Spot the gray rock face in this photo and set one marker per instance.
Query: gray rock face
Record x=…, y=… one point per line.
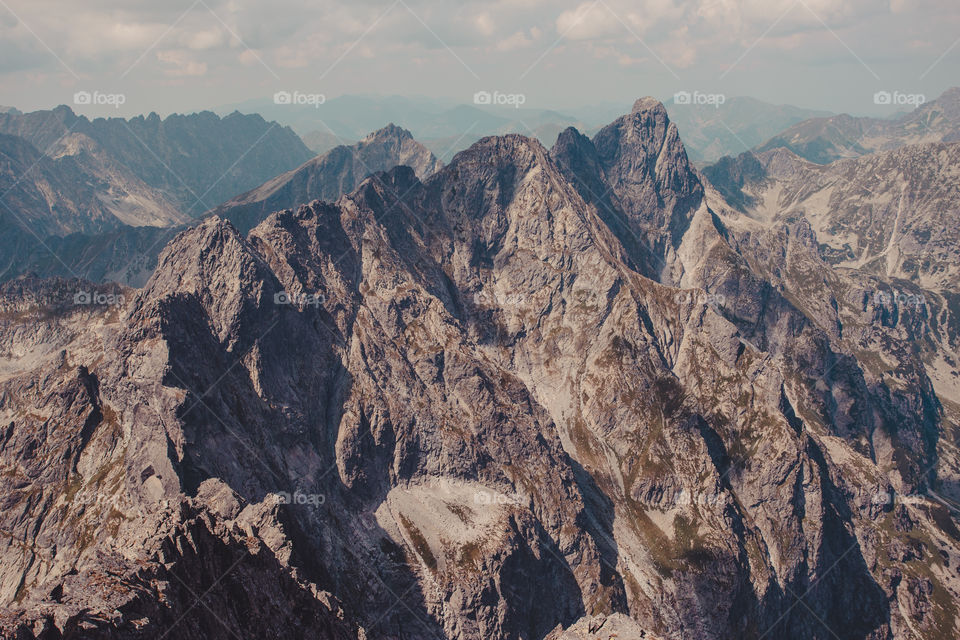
x=75, y=188
x=497, y=403
x=616, y=626
x=892, y=214
x=636, y=173
x=330, y=175
x=866, y=247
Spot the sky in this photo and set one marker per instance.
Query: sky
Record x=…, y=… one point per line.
x=126, y=57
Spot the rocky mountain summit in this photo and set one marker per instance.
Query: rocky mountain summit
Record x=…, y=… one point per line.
x=330, y=175
x=564, y=393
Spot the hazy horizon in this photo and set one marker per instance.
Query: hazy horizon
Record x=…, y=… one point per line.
x=193, y=56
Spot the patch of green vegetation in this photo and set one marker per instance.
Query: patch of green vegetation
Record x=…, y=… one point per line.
x=583, y=440
x=688, y=543
x=656, y=542
x=74, y=484
x=21, y=592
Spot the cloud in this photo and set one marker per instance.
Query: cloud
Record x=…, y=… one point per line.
x=519, y=40
x=240, y=46
x=484, y=24
x=205, y=39
x=588, y=21
x=181, y=63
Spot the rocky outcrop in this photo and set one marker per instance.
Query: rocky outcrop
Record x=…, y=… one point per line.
x=613, y=626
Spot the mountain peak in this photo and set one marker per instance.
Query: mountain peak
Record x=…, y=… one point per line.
x=648, y=103
x=512, y=148
x=952, y=95
x=331, y=175
x=388, y=132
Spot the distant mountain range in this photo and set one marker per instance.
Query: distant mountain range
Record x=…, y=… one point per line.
x=889, y=213
x=105, y=195
x=76, y=187
x=446, y=127
x=196, y=161
x=77, y=212
x=823, y=140
x=320, y=142
x=711, y=132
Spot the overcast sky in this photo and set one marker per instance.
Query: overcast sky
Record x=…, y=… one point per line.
x=186, y=55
